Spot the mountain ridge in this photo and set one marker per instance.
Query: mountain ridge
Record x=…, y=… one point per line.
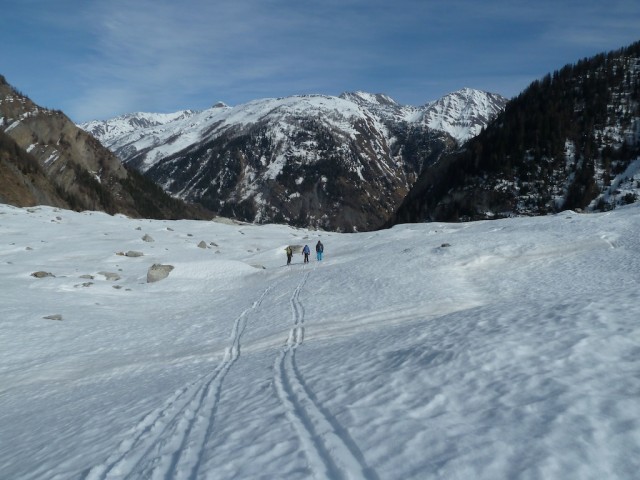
x=341, y=163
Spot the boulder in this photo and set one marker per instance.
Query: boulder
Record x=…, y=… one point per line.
x=41, y=274
x=110, y=276
x=158, y=272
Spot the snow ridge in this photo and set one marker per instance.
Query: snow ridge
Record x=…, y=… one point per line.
x=460, y=114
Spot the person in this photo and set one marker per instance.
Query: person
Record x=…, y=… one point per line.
x=289, y=251
x=319, y=250
x=306, y=251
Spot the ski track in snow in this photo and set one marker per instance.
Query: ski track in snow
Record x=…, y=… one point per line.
x=169, y=442
x=327, y=446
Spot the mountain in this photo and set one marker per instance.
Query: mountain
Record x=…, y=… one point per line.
x=340, y=163
x=46, y=159
x=569, y=141
x=460, y=114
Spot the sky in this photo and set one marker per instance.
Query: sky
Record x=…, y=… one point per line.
x=505, y=349
x=99, y=59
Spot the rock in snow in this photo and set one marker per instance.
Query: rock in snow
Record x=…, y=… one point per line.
x=158, y=272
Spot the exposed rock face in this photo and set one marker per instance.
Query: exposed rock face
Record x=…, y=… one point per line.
x=49, y=160
x=22, y=181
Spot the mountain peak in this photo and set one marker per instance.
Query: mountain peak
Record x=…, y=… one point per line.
x=464, y=112
x=360, y=97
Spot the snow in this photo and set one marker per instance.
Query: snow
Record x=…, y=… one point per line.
x=158, y=136
x=497, y=349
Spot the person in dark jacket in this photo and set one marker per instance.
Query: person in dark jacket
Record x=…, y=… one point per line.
x=306, y=251
x=319, y=250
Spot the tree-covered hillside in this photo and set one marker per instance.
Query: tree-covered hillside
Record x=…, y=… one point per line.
x=569, y=141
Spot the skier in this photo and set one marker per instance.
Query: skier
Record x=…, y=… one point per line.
x=289, y=251
x=319, y=250
x=306, y=251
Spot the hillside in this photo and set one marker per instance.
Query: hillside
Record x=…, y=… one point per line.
x=23, y=182
x=47, y=159
x=570, y=140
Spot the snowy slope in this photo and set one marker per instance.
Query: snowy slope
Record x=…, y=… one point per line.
x=108, y=131
x=503, y=349
x=464, y=113
x=161, y=140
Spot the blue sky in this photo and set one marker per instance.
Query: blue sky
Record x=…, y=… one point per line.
x=98, y=59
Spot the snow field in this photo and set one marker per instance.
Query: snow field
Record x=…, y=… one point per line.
x=502, y=349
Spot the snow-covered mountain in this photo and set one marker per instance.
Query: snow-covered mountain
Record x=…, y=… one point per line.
x=461, y=114
x=341, y=163
x=123, y=125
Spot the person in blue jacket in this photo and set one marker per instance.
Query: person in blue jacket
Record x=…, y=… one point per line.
x=319, y=250
x=306, y=251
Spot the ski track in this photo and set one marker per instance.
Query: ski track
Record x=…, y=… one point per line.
x=327, y=446
x=168, y=443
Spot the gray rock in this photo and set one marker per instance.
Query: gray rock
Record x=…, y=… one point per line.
x=57, y=316
x=110, y=276
x=202, y=244
x=158, y=272
x=148, y=238
x=133, y=253
x=42, y=274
